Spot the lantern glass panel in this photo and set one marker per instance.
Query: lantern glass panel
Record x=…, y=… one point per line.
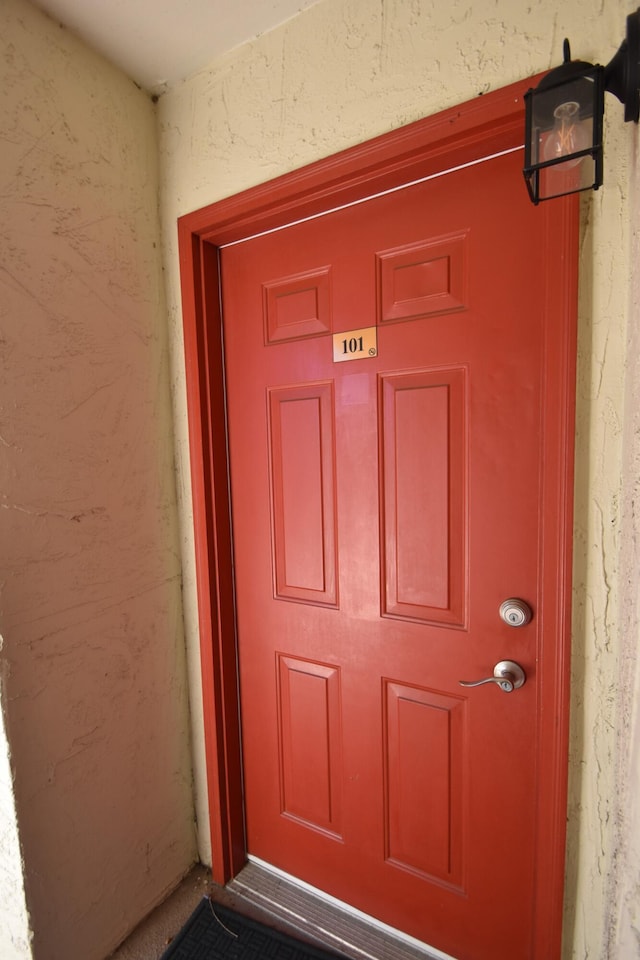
x=564, y=150
x=570, y=175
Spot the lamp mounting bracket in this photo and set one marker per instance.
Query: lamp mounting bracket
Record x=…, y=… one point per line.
x=622, y=73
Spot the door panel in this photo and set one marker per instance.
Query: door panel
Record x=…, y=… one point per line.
x=423, y=483
x=303, y=492
x=383, y=508
x=310, y=743
x=424, y=735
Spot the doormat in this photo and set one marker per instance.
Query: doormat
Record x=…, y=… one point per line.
x=217, y=933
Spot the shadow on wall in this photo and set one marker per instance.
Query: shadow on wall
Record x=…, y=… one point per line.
x=577, y=733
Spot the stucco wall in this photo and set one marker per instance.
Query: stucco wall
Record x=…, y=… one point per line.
x=338, y=74
x=93, y=653
x=623, y=922
x=14, y=920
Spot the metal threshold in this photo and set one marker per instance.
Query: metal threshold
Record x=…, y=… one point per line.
x=313, y=916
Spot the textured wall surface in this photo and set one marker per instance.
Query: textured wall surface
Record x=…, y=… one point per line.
x=623, y=921
x=340, y=73
x=14, y=920
x=93, y=654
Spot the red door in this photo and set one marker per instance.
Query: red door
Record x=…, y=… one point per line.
x=384, y=506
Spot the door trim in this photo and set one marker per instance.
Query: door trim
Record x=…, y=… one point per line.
x=482, y=127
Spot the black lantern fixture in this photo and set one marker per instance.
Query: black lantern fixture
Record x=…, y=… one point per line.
x=563, y=135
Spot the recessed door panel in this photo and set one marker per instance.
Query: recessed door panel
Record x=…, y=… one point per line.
x=420, y=279
x=423, y=456
x=310, y=743
x=426, y=795
x=303, y=497
x=298, y=306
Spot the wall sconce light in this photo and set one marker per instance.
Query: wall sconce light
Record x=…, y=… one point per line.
x=563, y=118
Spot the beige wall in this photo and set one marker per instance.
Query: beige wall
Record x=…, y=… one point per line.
x=92, y=657
x=623, y=922
x=14, y=920
x=338, y=74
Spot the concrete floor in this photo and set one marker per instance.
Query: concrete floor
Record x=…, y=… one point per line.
x=152, y=937
x=274, y=901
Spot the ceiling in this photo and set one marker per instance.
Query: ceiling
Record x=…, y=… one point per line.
x=159, y=42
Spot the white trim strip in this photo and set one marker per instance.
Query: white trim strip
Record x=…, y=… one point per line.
x=373, y=196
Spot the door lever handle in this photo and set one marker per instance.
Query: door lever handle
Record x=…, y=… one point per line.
x=508, y=674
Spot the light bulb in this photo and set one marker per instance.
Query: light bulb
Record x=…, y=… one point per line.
x=569, y=134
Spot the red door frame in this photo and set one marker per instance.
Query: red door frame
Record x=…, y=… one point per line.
x=479, y=128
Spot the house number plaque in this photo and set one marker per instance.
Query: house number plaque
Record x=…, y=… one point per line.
x=355, y=344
